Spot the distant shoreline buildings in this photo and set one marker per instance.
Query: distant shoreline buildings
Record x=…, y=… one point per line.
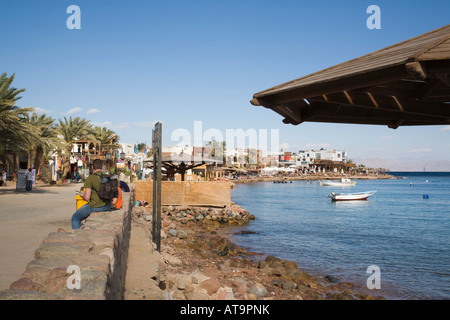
x=222, y=162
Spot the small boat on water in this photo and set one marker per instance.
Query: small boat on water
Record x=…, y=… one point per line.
x=343, y=183
x=350, y=196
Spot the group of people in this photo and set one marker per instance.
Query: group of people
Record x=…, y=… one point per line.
x=94, y=202
x=28, y=179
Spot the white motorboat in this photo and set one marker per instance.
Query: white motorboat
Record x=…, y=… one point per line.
x=350, y=196
x=343, y=183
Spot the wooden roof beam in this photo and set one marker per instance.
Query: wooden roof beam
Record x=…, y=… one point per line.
x=426, y=89
x=444, y=78
x=373, y=78
x=400, y=106
x=336, y=113
x=375, y=103
x=388, y=103
x=384, y=122
x=291, y=117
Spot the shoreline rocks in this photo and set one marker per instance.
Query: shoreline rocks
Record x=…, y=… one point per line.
x=209, y=266
x=312, y=177
x=214, y=217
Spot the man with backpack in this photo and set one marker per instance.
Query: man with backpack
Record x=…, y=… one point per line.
x=100, y=191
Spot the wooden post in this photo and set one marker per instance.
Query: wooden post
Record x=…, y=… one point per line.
x=156, y=221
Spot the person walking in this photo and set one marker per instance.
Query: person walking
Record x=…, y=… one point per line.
x=120, y=174
x=95, y=203
x=29, y=180
x=5, y=177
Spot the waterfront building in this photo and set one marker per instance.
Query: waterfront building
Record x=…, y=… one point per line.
x=323, y=161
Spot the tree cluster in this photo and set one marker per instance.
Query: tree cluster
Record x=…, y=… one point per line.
x=40, y=136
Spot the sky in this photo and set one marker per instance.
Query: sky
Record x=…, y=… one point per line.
x=137, y=62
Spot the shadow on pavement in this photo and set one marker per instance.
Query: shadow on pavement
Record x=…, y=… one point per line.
x=40, y=189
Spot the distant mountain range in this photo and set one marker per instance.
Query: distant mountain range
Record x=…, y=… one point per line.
x=396, y=165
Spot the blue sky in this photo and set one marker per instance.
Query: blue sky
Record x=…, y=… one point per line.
x=137, y=62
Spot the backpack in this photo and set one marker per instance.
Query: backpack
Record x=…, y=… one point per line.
x=108, y=187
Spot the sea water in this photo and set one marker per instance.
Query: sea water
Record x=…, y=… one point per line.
x=403, y=229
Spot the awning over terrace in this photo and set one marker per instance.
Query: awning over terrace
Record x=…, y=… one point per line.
x=404, y=84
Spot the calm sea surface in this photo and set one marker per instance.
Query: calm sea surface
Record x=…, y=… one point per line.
x=406, y=235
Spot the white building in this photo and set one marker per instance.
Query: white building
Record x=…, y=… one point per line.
x=308, y=156
x=320, y=160
x=128, y=148
x=178, y=150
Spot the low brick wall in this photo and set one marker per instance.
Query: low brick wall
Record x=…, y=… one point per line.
x=187, y=193
x=98, y=253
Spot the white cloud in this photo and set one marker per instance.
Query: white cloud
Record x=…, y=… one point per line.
x=106, y=124
x=92, y=111
x=316, y=146
x=386, y=137
x=124, y=125
x=111, y=126
x=445, y=128
x=423, y=150
x=146, y=124
x=285, y=146
x=41, y=110
x=73, y=111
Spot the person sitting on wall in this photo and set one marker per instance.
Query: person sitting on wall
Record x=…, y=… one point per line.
x=119, y=202
x=124, y=186
x=95, y=203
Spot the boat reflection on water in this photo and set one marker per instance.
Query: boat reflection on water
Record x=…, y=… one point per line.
x=344, y=182
x=358, y=196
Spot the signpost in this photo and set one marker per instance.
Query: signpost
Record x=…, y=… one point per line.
x=157, y=153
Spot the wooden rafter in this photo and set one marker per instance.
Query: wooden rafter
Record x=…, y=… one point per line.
x=389, y=103
x=444, y=78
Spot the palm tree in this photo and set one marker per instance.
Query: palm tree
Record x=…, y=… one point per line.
x=109, y=142
x=11, y=116
x=106, y=137
x=49, y=140
x=8, y=96
x=70, y=130
x=14, y=130
x=217, y=150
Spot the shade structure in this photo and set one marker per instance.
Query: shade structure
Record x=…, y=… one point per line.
x=402, y=85
x=175, y=163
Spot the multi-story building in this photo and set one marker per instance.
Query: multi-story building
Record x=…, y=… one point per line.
x=323, y=160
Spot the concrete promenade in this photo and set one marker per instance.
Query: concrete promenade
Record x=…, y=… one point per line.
x=26, y=218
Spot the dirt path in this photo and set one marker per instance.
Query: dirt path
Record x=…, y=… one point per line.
x=142, y=268
x=26, y=218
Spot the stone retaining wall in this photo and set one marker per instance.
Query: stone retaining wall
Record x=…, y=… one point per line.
x=95, y=255
x=187, y=193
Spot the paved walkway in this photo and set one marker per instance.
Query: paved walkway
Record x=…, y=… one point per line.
x=26, y=218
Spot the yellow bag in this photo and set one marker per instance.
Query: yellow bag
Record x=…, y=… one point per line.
x=79, y=200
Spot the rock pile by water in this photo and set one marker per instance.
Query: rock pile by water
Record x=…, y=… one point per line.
x=233, y=215
x=202, y=263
